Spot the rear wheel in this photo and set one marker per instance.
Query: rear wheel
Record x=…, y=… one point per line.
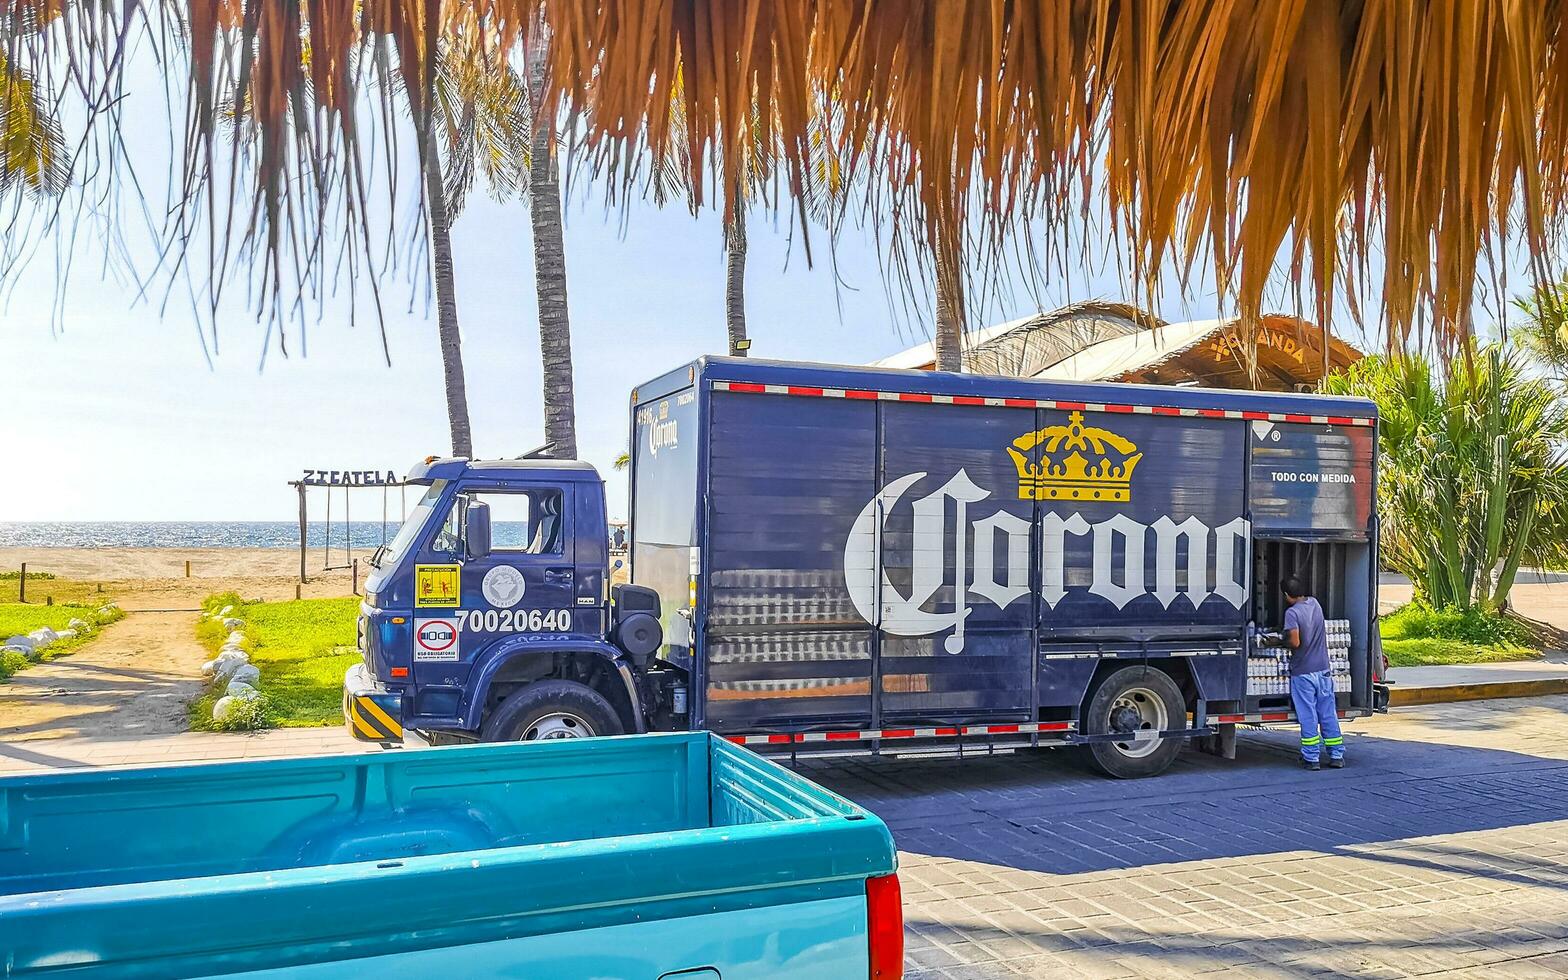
x=551, y=710
x=1137, y=702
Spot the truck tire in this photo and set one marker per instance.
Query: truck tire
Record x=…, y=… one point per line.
x=549, y=710
x=1135, y=699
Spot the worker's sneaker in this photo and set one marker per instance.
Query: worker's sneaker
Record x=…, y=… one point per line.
x=1336, y=763
x=1311, y=765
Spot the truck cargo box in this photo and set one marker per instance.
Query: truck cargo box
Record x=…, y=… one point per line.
x=871, y=555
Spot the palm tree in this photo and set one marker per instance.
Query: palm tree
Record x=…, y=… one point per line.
x=32, y=146
x=480, y=114
x=544, y=193
x=1544, y=332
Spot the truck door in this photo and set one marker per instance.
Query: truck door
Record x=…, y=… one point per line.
x=527, y=582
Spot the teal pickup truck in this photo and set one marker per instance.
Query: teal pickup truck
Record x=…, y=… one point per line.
x=664, y=857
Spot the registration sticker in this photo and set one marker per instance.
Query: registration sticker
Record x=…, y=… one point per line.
x=436, y=640
x=437, y=585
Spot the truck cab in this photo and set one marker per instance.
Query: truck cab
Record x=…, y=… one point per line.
x=488, y=617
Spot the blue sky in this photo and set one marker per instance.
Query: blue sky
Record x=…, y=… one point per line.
x=113, y=413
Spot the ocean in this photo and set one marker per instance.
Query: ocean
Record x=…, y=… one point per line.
x=210, y=534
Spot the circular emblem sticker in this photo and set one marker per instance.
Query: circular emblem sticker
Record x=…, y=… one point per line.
x=502, y=586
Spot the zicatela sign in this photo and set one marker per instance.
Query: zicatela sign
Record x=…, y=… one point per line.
x=350, y=478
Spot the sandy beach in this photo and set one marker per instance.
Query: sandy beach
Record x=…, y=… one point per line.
x=154, y=578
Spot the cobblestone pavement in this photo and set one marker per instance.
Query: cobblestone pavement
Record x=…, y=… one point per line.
x=1441, y=850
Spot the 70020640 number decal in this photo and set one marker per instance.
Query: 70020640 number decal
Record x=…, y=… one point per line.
x=515, y=620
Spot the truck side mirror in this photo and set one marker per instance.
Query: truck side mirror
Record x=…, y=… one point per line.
x=477, y=524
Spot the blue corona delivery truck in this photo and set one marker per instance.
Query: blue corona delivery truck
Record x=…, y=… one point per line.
x=846, y=559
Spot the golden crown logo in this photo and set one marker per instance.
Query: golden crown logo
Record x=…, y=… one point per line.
x=1077, y=462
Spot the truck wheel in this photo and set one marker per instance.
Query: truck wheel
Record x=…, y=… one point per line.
x=551, y=709
x=1132, y=700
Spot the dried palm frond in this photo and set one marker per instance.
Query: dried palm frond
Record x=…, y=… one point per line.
x=1369, y=149
x=1364, y=143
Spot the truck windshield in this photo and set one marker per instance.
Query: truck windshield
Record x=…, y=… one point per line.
x=399, y=545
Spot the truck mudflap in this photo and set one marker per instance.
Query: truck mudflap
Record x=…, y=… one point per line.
x=371, y=712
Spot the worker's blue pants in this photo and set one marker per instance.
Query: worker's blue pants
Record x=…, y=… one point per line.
x=1313, y=695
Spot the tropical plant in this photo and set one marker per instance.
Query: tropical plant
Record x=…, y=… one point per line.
x=480, y=123
x=32, y=146
x=1544, y=331
x=1473, y=474
x=544, y=195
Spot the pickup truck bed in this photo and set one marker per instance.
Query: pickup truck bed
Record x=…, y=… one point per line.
x=638, y=856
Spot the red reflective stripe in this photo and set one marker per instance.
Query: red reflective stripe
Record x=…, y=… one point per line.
x=898, y=733
x=1001, y=729
x=947, y=731
x=841, y=736
x=1055, y=726
x=1230, y=719
x=1282, y=716
x=907, y=396
x=737, y=739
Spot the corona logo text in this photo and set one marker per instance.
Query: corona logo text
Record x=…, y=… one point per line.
x=990, y=554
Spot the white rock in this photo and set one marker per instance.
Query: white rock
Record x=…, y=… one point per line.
x=109, y=610
x=223, y=666
x=243, y=691
x=235, y=639
x=225, y=611
x=43, y=636
x=233, y=622
x=80, y=625
x=67, y=635
x=221, y=709
x=21, y=641
x=246, y=674
x=231, y=648
x=24, y=651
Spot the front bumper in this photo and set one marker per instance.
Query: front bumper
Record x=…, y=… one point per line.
x=371, y=712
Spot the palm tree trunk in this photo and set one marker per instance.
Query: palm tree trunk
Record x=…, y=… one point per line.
x=446, y=306
x=949, y=338
x=735, y=278
x=544, y=206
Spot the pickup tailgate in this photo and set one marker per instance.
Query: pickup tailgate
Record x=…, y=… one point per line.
x=633, y=856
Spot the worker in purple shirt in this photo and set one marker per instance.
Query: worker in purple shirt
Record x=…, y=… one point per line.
x=1311, y=683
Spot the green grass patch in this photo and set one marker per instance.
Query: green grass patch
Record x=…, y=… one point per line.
x=302, y=648
x=1417, y=635
x=22, y=618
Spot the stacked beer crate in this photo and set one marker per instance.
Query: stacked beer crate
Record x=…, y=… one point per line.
x=1268, y=670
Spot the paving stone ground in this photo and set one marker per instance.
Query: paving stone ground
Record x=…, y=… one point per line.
x=1442, y=850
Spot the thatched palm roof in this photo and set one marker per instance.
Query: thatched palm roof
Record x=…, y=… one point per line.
x=1387, y=146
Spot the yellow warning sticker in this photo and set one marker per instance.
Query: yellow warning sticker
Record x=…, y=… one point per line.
x=437, y=585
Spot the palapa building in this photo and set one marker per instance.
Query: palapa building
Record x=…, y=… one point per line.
x=1104, y=341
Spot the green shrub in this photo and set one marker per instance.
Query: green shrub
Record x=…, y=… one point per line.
x=17, y=574
x=11, y=663
x=1418, y=621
